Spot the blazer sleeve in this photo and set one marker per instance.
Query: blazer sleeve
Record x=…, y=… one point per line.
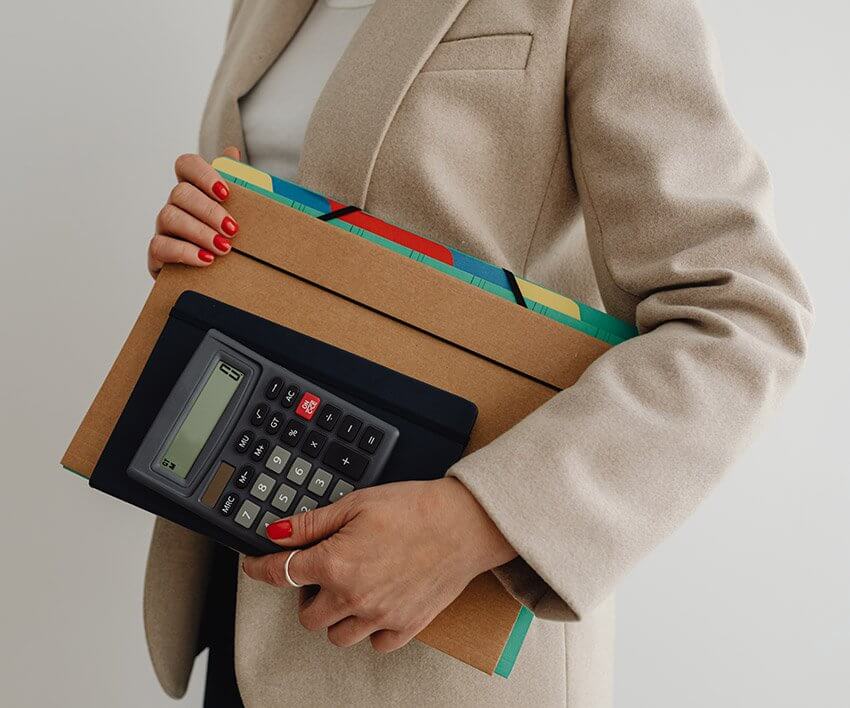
x=679, y=220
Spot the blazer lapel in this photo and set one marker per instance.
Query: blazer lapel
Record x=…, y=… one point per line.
x=358, y=103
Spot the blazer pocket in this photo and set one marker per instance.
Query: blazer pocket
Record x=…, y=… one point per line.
x=495, y=52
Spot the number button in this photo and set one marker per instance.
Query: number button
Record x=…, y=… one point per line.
x=340, y=458
x=243, y=442
x=259, y=414
x=292, y=433
x=314, y=443
x=299, y=471
x=340, y=490
x=260, y=450
x=247, y=514
x=278, y=459
x=349, y=428
x=262, y=487
x=228, y=504
x=274, y=387
x=328, y=417
x=289, y=396
x=371, y=439
x=283, y=498
x=305, y=504
x=308, y=405
x=243, y=477
x=268, y=518
x=320, y=483
x=275, y=423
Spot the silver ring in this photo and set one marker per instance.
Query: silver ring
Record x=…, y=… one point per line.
x=289, y=579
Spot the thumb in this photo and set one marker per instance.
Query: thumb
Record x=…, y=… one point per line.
x=232, y=152
x=311, y=526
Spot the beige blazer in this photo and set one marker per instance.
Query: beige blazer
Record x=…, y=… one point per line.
x=586, y=145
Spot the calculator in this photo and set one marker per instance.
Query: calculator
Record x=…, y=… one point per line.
x=243, y=442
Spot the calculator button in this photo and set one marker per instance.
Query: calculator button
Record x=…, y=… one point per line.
x=340, y=490
x=275, y=423
x=349, y=428
x=274, y=387
x=308, y=405
x=351, y=464
x=289, y=396
x=243, y=477
x=314, y=443
x=268, y=518
x=278, y=459
x=258, y=454
x=262, y=487
x=299, y=471
x=320, y=483
x=305, y=504
x=283, y=498
x=292, y=433
x=228, y=504
x=259, y=414
x=247, y=514
x=243, y=442
x=371, y=439
x=328, y=417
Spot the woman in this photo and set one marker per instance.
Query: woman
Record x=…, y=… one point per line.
x=585, y=145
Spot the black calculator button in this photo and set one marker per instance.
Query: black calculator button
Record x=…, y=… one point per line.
x=328, y=417
x=243, y=477
x=243, y=442
x=289, y=396
x=371, y=439
x=349, y=428
x=293, y=433
x=314, y=443
x=258, y=417
x=228, y=503
x=274, y=387
x=261, y=449
x=342, y=459
x=275, y=423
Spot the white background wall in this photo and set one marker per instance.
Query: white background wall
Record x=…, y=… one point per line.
x=748, y=605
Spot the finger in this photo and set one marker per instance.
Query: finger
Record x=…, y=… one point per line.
x=350, y=631
x=323, y=611
x=188, y=198
x=195, y=169
x=307, y=567
x=387, y=640
x=232, y=152
x=173, y=221
x=311, y=526
x=165, y=249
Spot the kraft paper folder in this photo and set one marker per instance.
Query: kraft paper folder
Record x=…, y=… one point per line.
x=394, y=311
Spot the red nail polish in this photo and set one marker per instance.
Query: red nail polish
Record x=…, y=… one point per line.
x=279, y=530
x=220, y=190
x=229, y=226
x=221, y=243
x=206, y=256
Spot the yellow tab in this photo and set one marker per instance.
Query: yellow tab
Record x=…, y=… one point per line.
x=546, y=297
x=244, y=172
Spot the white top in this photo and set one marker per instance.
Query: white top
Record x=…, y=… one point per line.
x=276, y=111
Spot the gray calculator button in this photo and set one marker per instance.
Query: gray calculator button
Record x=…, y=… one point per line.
x=262, y=487
x=267, y=519
x=340, y=490
x=299, y=471
x=283, y=498
x=247, y=514
x=305, y=504
x=278, y=459
x=320, y=483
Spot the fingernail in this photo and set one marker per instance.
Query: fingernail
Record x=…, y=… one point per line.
x=206, y=256
x=220, y=190
x=229, y=226
x=279, y=530
x=221, y=243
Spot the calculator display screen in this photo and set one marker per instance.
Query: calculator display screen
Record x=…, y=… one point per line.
x=201, y=420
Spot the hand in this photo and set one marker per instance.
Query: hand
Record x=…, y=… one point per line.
x=386, y=559
x=193, y=227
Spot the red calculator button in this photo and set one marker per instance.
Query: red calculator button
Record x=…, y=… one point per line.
x=307, y=406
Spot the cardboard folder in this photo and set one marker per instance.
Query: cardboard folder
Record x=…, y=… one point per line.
x=311, y=277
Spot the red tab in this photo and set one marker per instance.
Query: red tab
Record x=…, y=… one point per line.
x=307, y=406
